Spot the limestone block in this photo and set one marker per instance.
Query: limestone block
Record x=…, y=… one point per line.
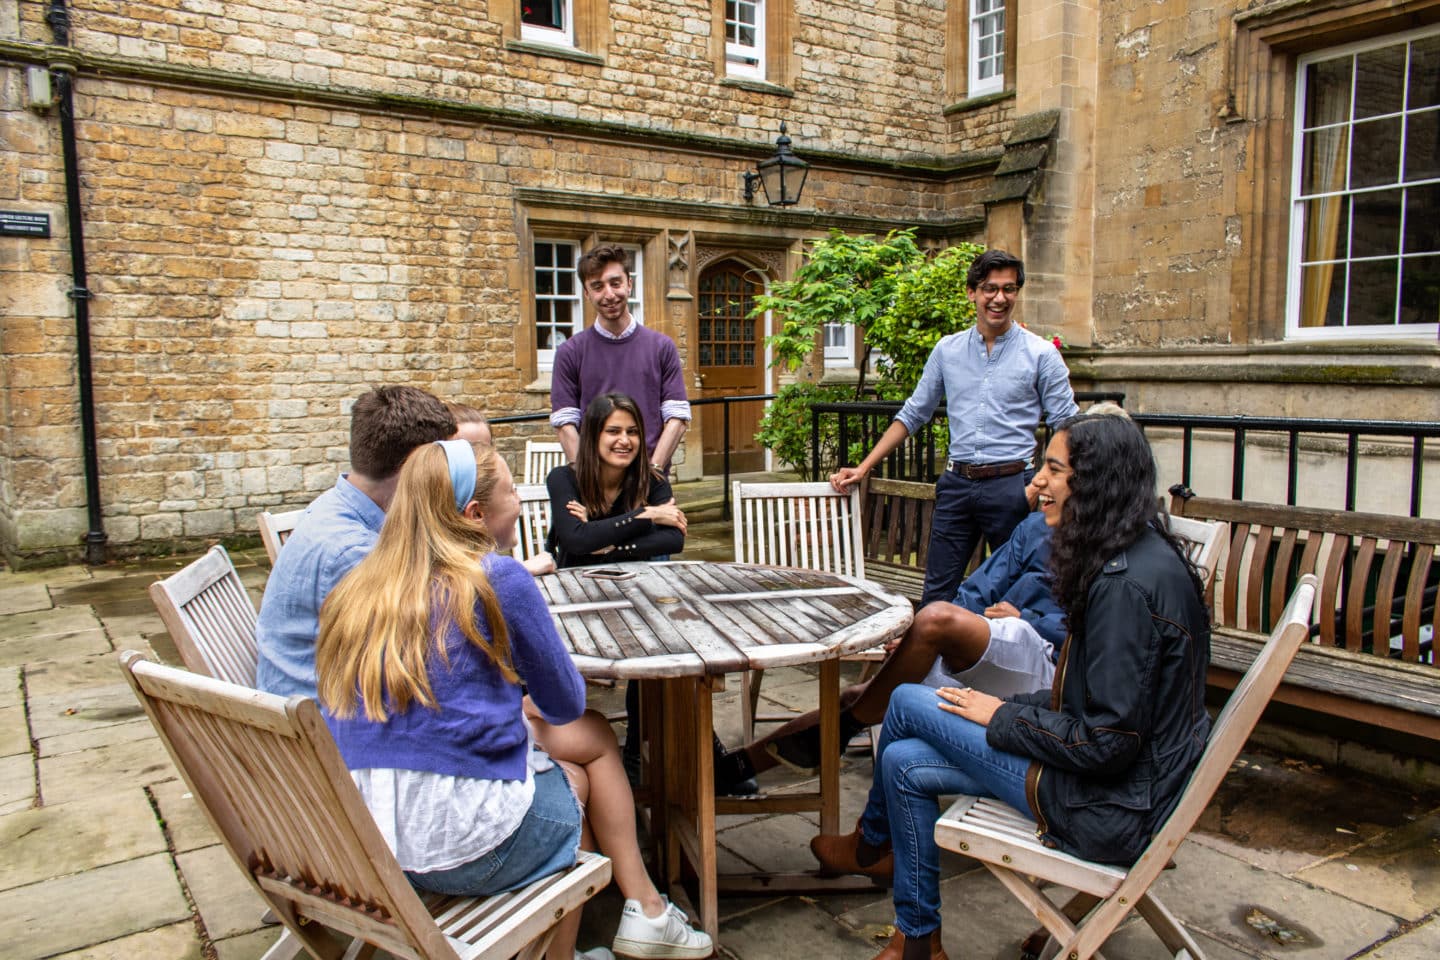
x=39, y=529
x=208, y=523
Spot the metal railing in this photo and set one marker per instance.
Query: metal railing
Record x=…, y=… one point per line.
x=1241, y=427
x=917, y=458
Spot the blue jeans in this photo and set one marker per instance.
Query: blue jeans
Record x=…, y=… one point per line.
x=545, y=842
x=965, y=511
x=924, y=753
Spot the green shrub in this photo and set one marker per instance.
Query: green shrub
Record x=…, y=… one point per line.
x=785, y=428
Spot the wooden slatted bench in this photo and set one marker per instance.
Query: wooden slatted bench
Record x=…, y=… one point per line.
x=895, y=520
x=1372, y=568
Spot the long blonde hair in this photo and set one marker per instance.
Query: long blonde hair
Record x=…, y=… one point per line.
x=379, y=626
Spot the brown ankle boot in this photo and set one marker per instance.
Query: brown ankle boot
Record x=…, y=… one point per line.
x=895, y=949
x=837, y=855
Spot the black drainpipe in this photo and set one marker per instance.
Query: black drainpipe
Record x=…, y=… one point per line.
x=58, y=17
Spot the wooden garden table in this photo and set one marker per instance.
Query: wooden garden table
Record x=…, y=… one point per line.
x=678, y=626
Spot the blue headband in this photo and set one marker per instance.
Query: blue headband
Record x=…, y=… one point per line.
x=461, y=457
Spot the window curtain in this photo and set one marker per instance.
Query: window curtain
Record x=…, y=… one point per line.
x=1329, y=159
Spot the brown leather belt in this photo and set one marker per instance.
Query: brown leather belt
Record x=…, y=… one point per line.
x=985, y=471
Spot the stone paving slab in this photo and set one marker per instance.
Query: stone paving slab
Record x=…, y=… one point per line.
x=1213, y=892
x=11, y=694
x=89, y=773
x=185, y=822
x=52, y=678
x=1288, y=815
x=795, y=929
x=46, y=623
x=17, y=783
x=248, y=946
x=228, y=905
x=18, y=648
x=178, y=941
x=105, y=735
x=1422, y=943
x=67, y=838
x=1398, y=872
x=14, y=732
x=83, y=708
x=40, y=920
x=23, y=598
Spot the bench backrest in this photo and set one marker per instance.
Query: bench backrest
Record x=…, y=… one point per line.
x=798, y=525
x=541, y=456
x=275, y=529
x=210, y=617
x=1371, y=567
x=534, y=524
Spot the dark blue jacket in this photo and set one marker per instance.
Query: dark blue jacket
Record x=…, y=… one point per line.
x=1018, y=573
x=1115, y=739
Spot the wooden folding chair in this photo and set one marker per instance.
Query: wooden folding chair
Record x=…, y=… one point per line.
x=210, y=617
x=534, y=524
x=542, y=456
x=794, y=525
x=275, y=529
x=1004, y=839
x=267, y=774
x=1202, y=540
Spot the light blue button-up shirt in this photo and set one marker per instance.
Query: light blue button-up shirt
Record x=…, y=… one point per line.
x=337, y=531
x=994, y=400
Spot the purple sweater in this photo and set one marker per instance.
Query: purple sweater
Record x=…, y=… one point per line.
x=477, y=730
x=645, y=366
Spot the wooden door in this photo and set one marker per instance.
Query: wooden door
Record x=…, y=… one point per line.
x=732, y=363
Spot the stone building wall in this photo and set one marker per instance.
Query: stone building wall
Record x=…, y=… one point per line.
x=286, y=203
x=259, y=257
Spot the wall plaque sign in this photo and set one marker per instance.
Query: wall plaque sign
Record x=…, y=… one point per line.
x=17, y=223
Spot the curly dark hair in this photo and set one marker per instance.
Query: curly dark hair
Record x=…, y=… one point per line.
x=1111, y=503
x=635, y=486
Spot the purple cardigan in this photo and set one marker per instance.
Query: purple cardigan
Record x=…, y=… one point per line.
x=645, y=366
x=477, y=730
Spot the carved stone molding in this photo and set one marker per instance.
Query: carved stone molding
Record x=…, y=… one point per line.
x=678, y=248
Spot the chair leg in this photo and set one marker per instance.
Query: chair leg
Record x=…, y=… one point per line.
x=1075, y=910
x=1168, y=928
x=1062, y=930
x=750, y=702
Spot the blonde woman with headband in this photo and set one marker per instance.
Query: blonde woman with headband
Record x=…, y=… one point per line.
x=422, y=652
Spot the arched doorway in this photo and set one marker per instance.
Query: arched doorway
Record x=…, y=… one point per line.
x=731, y=363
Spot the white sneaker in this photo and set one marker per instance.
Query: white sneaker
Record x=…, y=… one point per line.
x=668, y=936
x=594, y=953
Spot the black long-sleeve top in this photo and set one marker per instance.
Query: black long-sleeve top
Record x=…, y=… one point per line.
x=574, y=543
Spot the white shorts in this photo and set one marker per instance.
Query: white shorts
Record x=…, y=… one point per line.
x=1018, y=660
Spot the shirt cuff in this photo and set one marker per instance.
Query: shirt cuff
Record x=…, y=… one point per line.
x=669, y=410
x=565, y=416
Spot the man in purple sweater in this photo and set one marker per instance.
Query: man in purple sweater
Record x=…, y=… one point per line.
x=616, y=354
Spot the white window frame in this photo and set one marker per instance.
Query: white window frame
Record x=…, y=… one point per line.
x=545, y=358
x=1294, y=291
x=982, y=20
x=636, y=303
x=737, y=54
x=839, y=343
x=564, y=37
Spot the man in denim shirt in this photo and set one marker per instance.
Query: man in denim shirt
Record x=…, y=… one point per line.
x=997, y=379
x=338, y=529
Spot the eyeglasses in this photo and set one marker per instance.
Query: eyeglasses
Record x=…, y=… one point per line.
x=990, y=289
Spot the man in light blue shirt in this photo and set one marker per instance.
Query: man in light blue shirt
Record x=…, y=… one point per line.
x=998, y=379
x=338, y=530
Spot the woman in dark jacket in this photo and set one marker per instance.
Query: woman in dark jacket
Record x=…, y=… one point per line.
x=610, y=506
x=1100, y=760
